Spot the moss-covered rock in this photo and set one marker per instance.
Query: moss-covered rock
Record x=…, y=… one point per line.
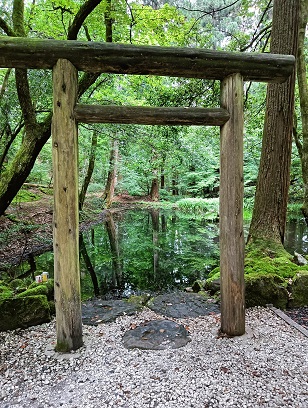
x=281, y=266
x=198, y=285
x=5, y=292
x=24, y=312
x=299, y=289
x=268, y=270
x=49, y=285
x=141, y=300
x=212, y=283
x=17, y=284
x=261, y=290
x=38, y=290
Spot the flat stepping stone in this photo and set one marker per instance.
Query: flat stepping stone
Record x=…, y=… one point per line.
x=156, y=335
x=99, y=311
x=181, y=304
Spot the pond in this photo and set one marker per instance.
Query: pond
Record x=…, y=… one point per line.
x=153, y=250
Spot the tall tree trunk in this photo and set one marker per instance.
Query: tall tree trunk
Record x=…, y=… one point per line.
x=114, y=152
x=88, y=176
x=36, y=134
x=303, y=98
x=112, y=174
x=88, y=263
x=154, y=192
x=269, y=213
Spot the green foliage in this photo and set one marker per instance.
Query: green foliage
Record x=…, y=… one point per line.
x=26, y=196
x=187, y=157
x=206, y=208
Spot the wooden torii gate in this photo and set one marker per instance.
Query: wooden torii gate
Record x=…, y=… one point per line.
x=66, y=58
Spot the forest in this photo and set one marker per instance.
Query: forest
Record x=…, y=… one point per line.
x=163, y=164
x=139, y=160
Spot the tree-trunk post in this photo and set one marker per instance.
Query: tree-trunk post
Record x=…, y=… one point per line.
x=66, y=217
x=231, y=209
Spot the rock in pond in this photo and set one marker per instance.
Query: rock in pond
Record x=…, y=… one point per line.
x=156, y=335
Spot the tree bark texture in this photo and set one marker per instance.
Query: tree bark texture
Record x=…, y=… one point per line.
x=231, y=209
x=269, y=213
x=303, y=98
x=146, y=115
x=66, y=216
x=144, y=60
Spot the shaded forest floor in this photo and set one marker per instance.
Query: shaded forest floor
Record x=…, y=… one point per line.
x=26, y=227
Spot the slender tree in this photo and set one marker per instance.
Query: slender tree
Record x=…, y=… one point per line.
x=87, y=179
x=36, y=131
x=112, y=173
x=114, y=150
x=269, y=213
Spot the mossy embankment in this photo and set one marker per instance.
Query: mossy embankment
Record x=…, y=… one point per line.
x=272, y=276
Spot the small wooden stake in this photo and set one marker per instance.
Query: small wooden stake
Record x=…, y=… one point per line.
x=231, y=209
x=66, y=217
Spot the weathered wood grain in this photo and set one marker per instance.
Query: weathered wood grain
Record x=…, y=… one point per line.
x=144, y=115
x=144, y=60
x=66, y=217
x=231, y=209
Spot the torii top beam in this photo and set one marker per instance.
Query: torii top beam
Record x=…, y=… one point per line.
x=17, y=52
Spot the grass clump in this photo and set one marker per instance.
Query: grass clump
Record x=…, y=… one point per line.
x=206, y=208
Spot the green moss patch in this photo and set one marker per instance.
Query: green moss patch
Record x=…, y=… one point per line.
x=5, y=292
x=24, y=312
x=38, y=290
x=299, y=295
x=268, y=272
x=26, y=196
x=261, y=290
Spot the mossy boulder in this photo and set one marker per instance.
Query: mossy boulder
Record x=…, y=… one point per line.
x=24, y=312
x=141, y=300
x=37, y=290
x=299, y=289
x=281, y=266
x=212, y=283
x=17, y=284
x=198, y=285
x=5, y=292
x=263, y=289
x=49, y=285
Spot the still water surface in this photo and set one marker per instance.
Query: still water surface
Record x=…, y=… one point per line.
x=153, y=250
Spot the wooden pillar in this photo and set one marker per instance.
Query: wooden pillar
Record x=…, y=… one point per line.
x=66, y=217
x=231, y=209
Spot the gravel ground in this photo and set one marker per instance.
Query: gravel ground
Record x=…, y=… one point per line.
x=267, y=367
